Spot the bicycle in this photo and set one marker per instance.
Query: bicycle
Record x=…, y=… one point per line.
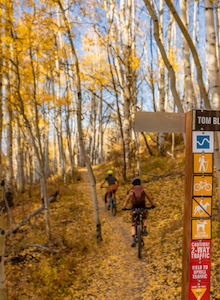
x=112, y=204
x=139, y=230
x=203, y=184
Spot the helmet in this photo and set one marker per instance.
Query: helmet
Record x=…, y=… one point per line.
x=136, y=181
x=110, y=172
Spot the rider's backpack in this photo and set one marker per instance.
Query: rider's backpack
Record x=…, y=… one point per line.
x=138, y=197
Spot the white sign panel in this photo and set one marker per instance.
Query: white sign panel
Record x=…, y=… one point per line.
x=203, y=141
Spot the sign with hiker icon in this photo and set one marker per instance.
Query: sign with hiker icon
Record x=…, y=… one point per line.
x=203, y=163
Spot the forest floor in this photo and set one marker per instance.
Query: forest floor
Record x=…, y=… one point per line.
x=111, y=269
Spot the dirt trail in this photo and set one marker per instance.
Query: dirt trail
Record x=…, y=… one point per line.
x=122, y=274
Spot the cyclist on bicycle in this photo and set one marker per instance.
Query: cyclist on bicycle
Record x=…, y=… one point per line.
x=137, y=195
x=112, y=186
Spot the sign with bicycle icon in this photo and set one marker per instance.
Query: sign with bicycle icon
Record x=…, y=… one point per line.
x=202, y=185
x=199, y=126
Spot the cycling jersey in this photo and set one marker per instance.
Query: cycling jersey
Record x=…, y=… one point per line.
x=111, y=180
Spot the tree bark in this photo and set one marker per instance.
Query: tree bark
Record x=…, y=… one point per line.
x=190, y=98
x=214, y=75
x=161, y=102
x=79, y=120
x=194, y=53
x=164, y=56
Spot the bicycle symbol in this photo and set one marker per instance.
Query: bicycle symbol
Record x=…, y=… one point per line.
x=203, y=185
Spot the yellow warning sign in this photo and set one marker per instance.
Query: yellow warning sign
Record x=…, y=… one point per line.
x=203, y=163
x=202, y=185
x=202, y=207
x=198, y=293
x=201, y=229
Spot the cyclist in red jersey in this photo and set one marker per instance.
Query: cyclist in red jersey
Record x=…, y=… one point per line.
x=112, y=186
x=137, y=195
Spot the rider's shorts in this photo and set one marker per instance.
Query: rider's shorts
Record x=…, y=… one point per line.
x=112, y=188
x=137, y=211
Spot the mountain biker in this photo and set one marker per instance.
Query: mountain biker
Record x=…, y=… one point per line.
x=112, y=186
x=137, y=195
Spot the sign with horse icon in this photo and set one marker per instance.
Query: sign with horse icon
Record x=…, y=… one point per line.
x=201, y=207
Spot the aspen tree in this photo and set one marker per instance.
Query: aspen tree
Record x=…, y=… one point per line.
x=119, y=114
x=9, y=163
x=164, y=56
x=214, y=74
x=190, y=98
x=3, y=295
x=100, y=150
x=217, y=16
x=161, y=79
x=20, y=158
x=193, y=51
x=79, y=120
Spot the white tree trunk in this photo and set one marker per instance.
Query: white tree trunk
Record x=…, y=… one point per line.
x=211, y=52
x=54, y=150
x=20, y=160
x=79, y=120
x=214, y=75
x=161, y=102
x=190, y=98
x=164, y=56
x=2, y=253
x=217, y=11
x=193, y=51
x=9, y=166
x=3, y=295
x=100, y=151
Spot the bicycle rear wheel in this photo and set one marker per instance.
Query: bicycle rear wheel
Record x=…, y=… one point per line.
x=106, y=204
x=139, y=240
x=113, y=206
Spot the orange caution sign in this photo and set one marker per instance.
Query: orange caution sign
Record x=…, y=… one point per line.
x=203, y=163
x=201, y=229
x=199, y=293
x=202, y=185
x=201, y=207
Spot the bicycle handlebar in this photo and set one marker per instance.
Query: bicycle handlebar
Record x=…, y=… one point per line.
x=151, y=207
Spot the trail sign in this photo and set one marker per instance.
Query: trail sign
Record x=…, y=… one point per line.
x=202, y=185
x=202, y=163
x=160, y=122
x=199, y=127
x=202, y=207
x=199, y=292
x=201, y=229
x=203, y=141
x=206, y=120
x=200, y=250
x=200, y=272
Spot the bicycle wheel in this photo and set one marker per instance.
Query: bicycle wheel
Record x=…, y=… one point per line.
x=106, y=204
x=113, y=207
x=208, y=187
x=139, y=240
x=197, y=187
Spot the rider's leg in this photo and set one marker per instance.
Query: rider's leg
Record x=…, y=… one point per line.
x=108, y=198
x=133, y=230
x=145, y=233
x=133, y=227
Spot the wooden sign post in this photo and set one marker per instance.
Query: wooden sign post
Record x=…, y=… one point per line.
x=199, y=126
